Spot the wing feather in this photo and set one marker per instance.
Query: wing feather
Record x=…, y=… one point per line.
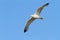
x=28, y=23
x=41, y=8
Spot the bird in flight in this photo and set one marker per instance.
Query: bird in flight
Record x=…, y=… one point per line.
x=34, y=16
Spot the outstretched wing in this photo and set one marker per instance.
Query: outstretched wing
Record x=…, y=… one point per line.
x=40, y=8
x=28, y=23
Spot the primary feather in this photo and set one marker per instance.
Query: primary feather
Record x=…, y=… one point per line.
x=28, y=23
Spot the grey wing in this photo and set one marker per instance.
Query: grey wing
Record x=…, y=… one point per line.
x=40, y=8
x=28, y=23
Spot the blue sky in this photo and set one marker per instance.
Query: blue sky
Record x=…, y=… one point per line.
x=15, y=13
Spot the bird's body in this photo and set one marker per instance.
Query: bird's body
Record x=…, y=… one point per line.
x=35, y=16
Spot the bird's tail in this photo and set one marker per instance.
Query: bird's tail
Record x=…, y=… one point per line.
x=45, y=4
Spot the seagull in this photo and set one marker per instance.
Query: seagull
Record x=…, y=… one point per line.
x=34, y=16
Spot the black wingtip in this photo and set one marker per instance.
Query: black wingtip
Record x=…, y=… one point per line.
x=47, y=3
x=25, y=31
